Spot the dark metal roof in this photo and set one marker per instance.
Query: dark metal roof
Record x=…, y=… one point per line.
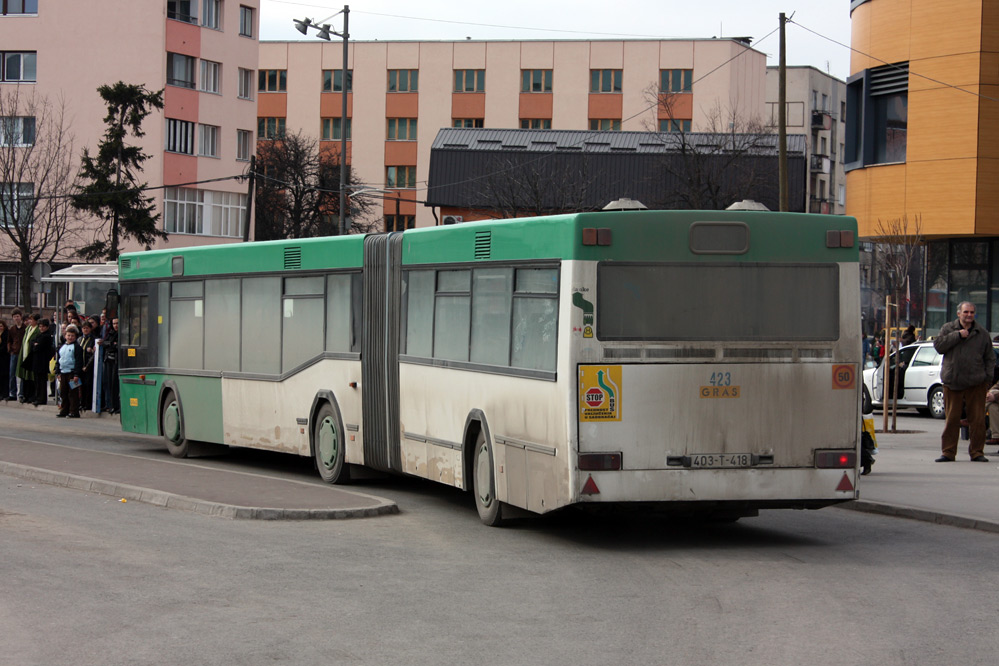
x=554, y=170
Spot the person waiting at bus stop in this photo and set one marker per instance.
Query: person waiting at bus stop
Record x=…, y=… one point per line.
x=69, y=367
x=966, y=372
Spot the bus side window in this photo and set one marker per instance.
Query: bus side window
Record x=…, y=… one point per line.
x=222, y=337
x=420, y=313
x=492, y=305
x=261, y=325
x=338, y=312
x=187, y=330
x=535, y=319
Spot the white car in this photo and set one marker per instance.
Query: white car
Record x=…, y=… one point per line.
x=919, y=377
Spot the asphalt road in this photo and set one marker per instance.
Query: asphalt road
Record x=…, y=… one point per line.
x=90, y=580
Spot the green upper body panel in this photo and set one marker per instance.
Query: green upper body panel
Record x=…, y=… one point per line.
x=653, y=236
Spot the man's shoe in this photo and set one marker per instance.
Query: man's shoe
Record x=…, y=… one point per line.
x=74, y=416
x=60, y=415
x=944, y=459
x=979, y=459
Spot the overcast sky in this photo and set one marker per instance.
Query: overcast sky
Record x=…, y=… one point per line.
x=828, y=21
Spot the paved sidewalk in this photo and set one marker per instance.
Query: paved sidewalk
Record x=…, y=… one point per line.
x=906, y=482
x=201, y=487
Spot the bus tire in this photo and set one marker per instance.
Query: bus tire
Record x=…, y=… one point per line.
x=328, y=445
x=484, y=483
x=172, y=426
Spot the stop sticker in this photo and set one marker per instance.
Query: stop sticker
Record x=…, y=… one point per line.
x=594, y=397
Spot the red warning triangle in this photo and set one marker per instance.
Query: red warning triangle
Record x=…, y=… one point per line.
x=844, y=483
x=590, y=488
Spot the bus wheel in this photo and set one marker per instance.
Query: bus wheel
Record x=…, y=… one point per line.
x=328, y=446
x=172, y=424
x=484, y=484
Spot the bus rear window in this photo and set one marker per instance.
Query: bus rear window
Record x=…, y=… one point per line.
x=717, y=301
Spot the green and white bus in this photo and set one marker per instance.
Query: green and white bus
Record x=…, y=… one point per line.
x=700, y=361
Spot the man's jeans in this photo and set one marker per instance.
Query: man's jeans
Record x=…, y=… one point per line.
x=13, y=375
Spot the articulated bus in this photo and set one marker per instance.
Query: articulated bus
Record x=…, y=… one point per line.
x=698, y=361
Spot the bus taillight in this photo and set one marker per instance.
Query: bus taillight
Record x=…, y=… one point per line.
x=844, y=459
x=599, y=462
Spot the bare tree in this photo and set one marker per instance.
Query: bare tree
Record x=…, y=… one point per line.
x=37, y=175
x=298, y=193
x=535, y=186
x=899, y=244
x=730, y=160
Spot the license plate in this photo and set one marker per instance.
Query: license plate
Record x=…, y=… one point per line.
x=716, y=460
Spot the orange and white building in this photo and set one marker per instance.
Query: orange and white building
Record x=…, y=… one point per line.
x=399, y=94
x=202, y=53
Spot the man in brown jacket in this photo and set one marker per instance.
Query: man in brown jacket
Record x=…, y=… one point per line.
x=966, y=372
x=15, y=336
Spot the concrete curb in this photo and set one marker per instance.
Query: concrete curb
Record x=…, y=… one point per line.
x=173, y=501
x=898, y=511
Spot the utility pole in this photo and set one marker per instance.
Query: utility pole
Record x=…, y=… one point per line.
x=343, y=127
x=782, y=117
x=249, y=199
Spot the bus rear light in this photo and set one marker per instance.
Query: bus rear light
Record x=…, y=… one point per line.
x=604, y=236
x=589, y=236
x=836, y=238
x=599, y=462
x=846, y=459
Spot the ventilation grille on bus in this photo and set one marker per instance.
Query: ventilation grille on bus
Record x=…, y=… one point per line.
x=126, y=263
x=758, y=353
x=483, y=244
x=292, y=258
x=658, y=352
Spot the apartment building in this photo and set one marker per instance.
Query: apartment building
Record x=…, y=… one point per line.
x=816, y=107
x=399, y=94
x=202, y=53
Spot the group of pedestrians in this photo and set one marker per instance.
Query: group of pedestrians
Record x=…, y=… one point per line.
x=42, y=358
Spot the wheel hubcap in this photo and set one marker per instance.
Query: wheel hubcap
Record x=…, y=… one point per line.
x=171, y=422
x=328, y=443
x=484, y=477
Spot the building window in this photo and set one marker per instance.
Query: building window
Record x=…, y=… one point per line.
x=20, y=7
x=211, y=14
x=331, y=129
x=675, y=80
x=403, y=80
x=16, y=204
x=270, y=128
x=272, y=80
x=401, y=129
x=535, y=123
x=211, y=76
x=613, y=124
x=180, y=70
x=208, y=140
x=877, y=116
x=10, y=284
x=469, y=80
x=183, y=10
x=245, y=83
x=400, y=176
x=180, y=136
x=467, y=122
x=19, y=65
x=399, y=222
x=245, y=21
x=244, y=143
x=605, y=80
x=668, y=125
x=17, y=131
x=333, y=80
x=536, y=80
x=203, y=212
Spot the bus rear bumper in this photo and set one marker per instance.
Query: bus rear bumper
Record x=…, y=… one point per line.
x=765, y=488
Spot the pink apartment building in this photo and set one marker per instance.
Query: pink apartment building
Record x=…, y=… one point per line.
x=202, y=53
x=399, y=94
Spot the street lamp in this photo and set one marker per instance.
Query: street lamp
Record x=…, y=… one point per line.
x=377, y=190
x=324, y=33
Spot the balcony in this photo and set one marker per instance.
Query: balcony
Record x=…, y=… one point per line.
x=821, y=120
x=819, y=164
x=822, y=206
